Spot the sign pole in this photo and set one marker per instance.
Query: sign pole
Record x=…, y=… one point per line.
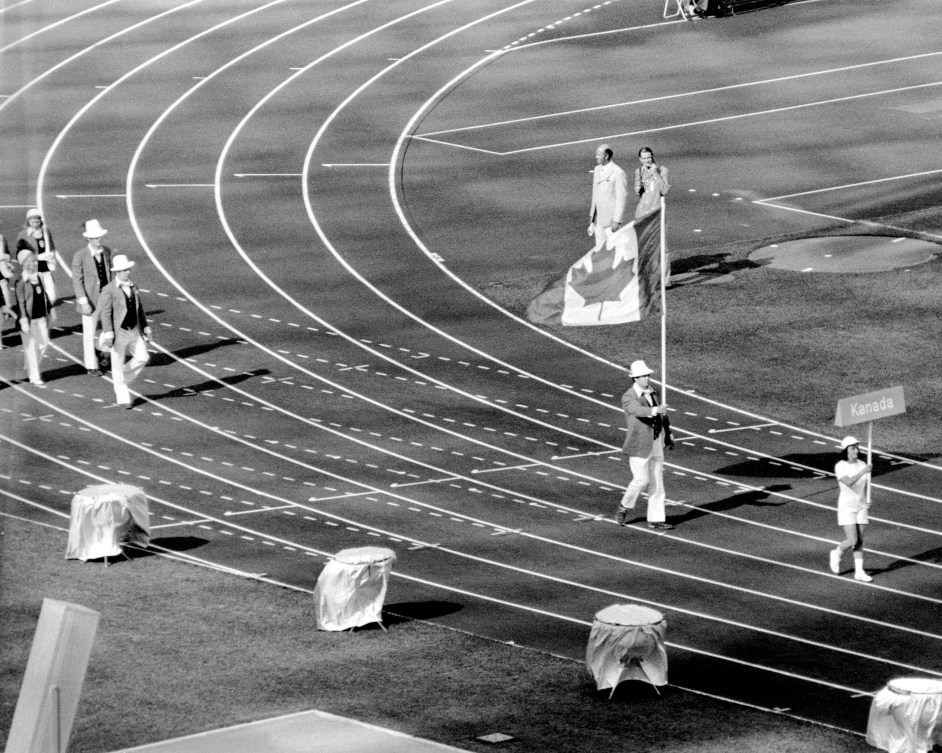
x=663, y=304
x=869, y=457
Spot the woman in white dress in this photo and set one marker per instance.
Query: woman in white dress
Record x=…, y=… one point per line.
x=853, y=477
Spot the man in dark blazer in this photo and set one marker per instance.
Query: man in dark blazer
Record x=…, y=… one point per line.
x=124, y=328
x=649, y=432
x=91, y=271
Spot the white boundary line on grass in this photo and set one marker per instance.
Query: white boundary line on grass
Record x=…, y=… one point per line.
x=706, y=121
x=665, y=97
x=847, y=220
x=907, y=176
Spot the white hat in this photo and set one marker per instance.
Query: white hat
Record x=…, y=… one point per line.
x=848, y=442
x=120, y=263
x=34, y=212
x=93, y=229
x=639, y=369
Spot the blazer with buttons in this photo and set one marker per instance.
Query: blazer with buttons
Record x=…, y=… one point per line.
x=85, y=280
x=113, y=307
x=639, y=440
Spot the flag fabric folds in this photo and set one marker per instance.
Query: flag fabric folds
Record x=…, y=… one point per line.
x=616, y=282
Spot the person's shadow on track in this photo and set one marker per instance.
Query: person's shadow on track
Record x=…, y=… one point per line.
x=167, y=359
x=758, y=498
x=931, y=555
x=798, y=465
x=211, y=384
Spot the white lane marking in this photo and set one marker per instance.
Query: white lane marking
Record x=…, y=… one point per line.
x=271, y=540
x=198, y=521
x=452, y=145
x=849, y=221
x=232, y=513
x=695, y=93
x=35, y=522
x=478, y=471
x=267, y=175
x=54, y=24
x=426, y=481
x=90, y=195
x=341, y=496
x=719, y=119
x=741, y=428
x=852, y=185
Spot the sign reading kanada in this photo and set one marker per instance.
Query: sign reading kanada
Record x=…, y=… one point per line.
x=870, y=406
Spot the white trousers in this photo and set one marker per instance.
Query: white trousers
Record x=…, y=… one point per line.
x=89, y=354
x=35, y=343
x=648, y=472
x=6, y=300
x=600, y=236
x=50, y=285
x=122, y=374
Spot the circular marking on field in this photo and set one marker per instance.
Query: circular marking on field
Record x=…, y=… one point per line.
x=848, y=253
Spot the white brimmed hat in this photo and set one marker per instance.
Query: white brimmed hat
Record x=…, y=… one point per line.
x=848, y=442
x=34, y=212
x=93, y=229
x=639, y=369
x=121, y=263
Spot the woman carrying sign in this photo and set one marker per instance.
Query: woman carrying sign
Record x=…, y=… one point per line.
x=853, y=478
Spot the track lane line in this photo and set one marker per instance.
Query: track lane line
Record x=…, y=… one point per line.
x=476, y=482
x=534, y=537
x=522, y=571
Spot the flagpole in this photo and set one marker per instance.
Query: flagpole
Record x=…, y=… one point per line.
x=663, y=304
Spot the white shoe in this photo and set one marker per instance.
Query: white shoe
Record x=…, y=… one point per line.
x=836, y=561
x=861, y=575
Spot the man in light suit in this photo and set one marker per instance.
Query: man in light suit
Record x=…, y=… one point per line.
x=123, y=328
x=649, y=432
x=609, y=195
x=91, y=271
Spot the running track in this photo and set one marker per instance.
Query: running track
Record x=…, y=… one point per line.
x=315, y=193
